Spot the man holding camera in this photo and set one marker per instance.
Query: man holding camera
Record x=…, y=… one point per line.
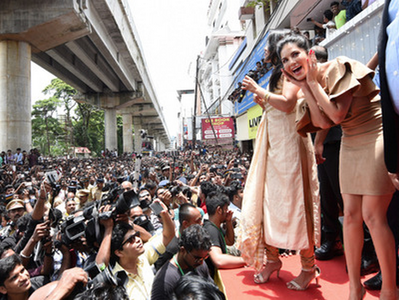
x=122, y=244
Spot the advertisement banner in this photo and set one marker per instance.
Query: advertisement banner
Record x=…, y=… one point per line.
x=223, y=128
x=254, y=115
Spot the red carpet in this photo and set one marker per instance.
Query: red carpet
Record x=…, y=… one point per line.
x=333, y=281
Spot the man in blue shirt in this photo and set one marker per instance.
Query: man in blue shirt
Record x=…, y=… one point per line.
x=353, y=7
x=389, y=86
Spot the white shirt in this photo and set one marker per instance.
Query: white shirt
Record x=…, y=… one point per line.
x=329, y=31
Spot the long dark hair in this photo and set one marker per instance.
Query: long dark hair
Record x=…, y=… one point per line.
x=272, y=40
x=296, y=39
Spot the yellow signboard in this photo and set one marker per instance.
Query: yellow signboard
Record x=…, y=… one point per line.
x=254, y=115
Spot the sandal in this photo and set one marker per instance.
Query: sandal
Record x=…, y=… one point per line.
x=293, y=285
x=274, y=266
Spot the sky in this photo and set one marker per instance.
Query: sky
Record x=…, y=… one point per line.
x=172, y=35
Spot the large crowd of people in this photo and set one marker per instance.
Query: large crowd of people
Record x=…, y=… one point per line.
x=124, y=218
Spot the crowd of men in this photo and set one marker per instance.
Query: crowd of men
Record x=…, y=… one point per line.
x=127, y=227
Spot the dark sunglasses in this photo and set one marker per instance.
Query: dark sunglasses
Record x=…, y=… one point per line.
x=198, y=259
x=131, y=238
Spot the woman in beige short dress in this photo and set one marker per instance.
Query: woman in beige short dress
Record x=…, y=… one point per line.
x=341, y=91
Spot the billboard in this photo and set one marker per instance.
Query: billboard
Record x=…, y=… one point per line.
x=254, y=115
x=223, y=128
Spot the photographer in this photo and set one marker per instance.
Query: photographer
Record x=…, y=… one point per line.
x=123, y=246
x=165, y=196
x=33, y=218
x=45, y=267
x=200, y=176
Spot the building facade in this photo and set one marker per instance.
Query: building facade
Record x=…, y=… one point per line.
x=236, y=42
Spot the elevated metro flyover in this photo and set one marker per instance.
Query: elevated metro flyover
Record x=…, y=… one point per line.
x=92, y=45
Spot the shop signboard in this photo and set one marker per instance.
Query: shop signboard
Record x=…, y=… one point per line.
x=222, y=128
x=218, y=131
x=254, y=115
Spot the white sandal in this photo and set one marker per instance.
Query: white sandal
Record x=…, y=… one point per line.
x=293, y=285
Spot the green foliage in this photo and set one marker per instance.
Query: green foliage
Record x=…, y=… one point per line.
x=82, y=126
x=45, y=127
x=65, y=93
x=61, y=91
x=255, y=3
x=89, y=128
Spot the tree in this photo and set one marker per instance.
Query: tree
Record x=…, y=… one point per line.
x=89, y=127
x=45, y=128
x=83, y=127
x=65, y=93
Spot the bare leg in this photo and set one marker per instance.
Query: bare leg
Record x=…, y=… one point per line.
x=374, y=213
x=353, y=241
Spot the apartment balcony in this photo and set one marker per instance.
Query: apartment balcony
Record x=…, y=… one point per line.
x=358, y=38
x=246, y=13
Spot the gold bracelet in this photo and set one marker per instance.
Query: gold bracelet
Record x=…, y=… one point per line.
x=267, y=97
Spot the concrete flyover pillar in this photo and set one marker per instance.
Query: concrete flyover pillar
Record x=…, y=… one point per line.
x=15, y=95
x=127, y=133
x=156, y=143
x=111, y=138
x=137, y=136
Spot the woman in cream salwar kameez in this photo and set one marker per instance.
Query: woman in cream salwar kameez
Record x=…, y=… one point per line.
x=281, y=200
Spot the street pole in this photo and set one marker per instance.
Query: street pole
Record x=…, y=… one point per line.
x=195, y=101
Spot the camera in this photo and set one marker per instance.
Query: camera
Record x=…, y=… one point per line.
x=98, y=278
x=87, y=223
x=52, y=177
x=7, y=230
x=144, y=221
x=121, y=179
x=309, y=20
x=174, y=190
